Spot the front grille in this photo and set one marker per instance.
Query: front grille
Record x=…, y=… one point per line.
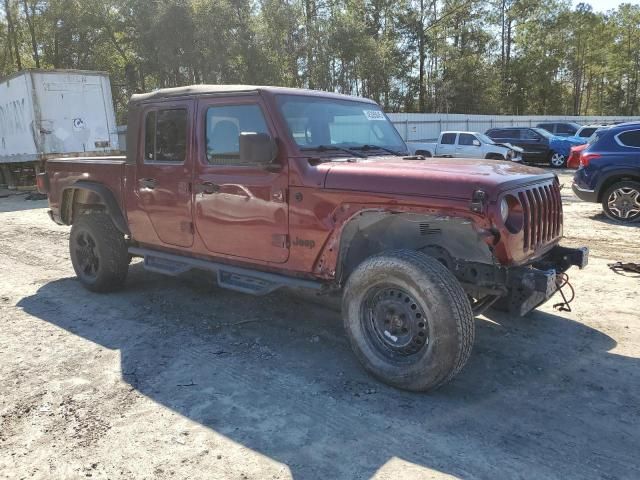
x=542, y=210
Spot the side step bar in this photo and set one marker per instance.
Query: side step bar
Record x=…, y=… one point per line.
x=234, y=278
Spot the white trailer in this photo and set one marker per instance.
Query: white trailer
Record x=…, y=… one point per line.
x=47, y=113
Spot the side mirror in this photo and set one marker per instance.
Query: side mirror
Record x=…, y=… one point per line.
x=476, y=143
x=257, y=148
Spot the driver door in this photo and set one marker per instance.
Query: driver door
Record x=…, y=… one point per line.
x=468, y=146
x=240, y=209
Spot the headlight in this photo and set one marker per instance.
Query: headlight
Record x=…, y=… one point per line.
x=512, y=213
x=504, y=210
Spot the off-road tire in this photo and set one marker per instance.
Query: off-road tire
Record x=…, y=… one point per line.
x=557, y=160
x=446, y=310
x=627, y=185
x=110, y=270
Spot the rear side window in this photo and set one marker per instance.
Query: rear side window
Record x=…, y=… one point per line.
x=466, y=139
x=587, y=132
x=564, y=129
x=223, y=128
x=501, y=133
x=630, y=138
x=448, y=139
x=165, y=135
x=549, y=127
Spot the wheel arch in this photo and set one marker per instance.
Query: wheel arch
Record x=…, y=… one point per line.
x=615, y=177
x=442, y=237
x=424, y=152
x=85, y=195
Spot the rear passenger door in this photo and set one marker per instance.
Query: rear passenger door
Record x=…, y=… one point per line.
x=163, y=176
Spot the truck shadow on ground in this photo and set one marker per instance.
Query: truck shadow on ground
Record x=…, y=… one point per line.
x=542, y=395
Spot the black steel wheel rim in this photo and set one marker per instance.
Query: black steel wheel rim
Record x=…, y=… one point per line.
x=394, y=322
x=86, y=255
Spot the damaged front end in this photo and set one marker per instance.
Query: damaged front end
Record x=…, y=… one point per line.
x=520, y=289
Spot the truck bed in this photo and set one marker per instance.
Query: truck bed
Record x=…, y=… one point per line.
x=64, y=172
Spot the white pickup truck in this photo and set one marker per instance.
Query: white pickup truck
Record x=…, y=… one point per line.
x=466, y=145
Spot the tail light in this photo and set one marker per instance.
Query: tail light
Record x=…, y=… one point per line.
x=42, y=182
x=586, y=158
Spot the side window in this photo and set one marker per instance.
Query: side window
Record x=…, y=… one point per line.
x=587, y=132
x=564, y=129
x=224, y=125
x=630, y=138
x=549, y=127
x=448, y=139
x=165, y=135
x=466, y=139
x=529, y=135
x=499, y=133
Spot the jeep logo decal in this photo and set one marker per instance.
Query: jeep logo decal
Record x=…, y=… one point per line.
x=299, y=242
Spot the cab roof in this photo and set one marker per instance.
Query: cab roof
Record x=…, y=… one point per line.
x=211, y=90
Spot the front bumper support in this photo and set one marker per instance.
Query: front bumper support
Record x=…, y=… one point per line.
x=532, y=285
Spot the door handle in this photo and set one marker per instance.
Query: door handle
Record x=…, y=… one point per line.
x=149, y=183
x=207, y=188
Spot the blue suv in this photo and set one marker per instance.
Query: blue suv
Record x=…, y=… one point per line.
x=609, y=172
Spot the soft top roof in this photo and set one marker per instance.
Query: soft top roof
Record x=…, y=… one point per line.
x=202, y=90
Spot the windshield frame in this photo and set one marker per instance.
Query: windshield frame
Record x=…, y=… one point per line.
x=400, y=146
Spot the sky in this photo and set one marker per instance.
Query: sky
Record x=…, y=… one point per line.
x=604, y=5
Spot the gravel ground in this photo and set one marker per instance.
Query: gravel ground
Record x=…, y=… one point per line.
x=175, y=378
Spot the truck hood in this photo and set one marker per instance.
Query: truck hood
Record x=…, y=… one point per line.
x=433, y=177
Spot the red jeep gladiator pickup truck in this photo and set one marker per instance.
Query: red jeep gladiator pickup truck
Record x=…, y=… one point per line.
x=272, y=187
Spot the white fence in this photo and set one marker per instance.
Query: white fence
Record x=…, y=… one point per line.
x=427, y=126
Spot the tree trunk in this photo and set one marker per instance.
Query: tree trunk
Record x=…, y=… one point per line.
x=11, y=32
x=32, y=32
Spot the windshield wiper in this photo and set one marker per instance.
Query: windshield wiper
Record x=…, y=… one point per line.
x=366, y=148
x=326, y=148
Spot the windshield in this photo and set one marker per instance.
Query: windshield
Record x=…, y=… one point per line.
x=543, y=132
x=484, y=139
x=327, y=122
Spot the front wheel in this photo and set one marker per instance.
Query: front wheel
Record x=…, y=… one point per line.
x=621, y=201
x=408, y=320
x=98, y=252
x=557, y=160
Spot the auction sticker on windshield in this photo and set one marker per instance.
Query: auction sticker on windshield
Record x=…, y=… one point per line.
x=374, y=115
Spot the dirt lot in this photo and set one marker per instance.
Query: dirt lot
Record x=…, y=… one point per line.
x=175, y=378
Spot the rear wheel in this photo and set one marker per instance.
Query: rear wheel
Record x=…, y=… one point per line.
x=557, y=160
x=621, y=201
x=408, y=320
x=98, y=253
x=424, y=153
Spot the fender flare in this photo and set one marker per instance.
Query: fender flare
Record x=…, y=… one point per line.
x=353, y=239
x=105, y=197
